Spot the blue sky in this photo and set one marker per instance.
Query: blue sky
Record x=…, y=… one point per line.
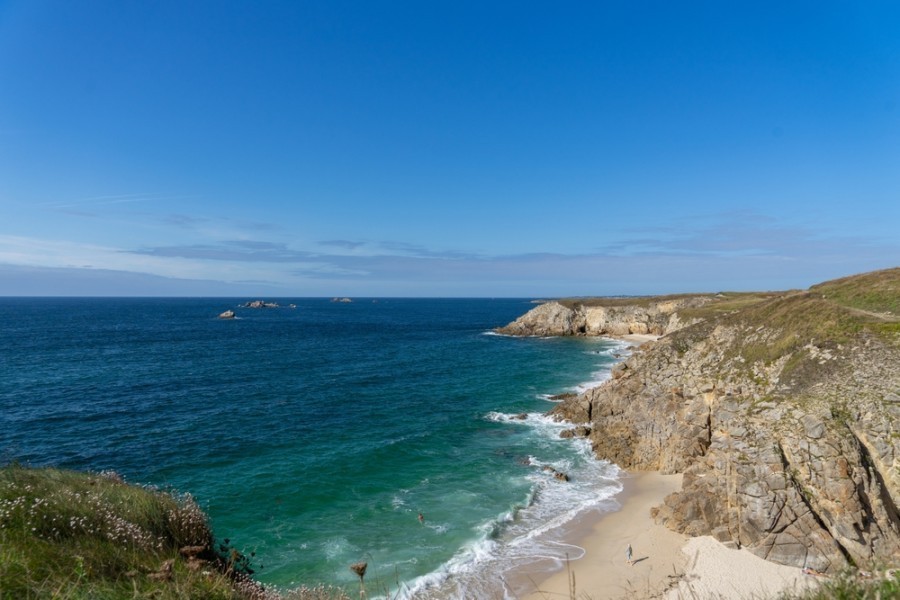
x=445, y=148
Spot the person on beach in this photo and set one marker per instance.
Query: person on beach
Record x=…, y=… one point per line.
x=628, y=554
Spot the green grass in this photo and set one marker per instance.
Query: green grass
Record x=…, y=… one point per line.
x=715, y=303
x=66, y=535
x=71, y=535
x=791, y=322
x=623, y=300
x=727, y=302
x=877, y=292
x=854, y=585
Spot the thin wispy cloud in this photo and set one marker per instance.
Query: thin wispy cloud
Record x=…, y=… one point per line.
x=258, y=226
x=122, y=207
x=735, y=234
x=417, y=250
x=345, y=244
x=230, y=250
x=183, y=221
x=736, y=252
x=110, y=200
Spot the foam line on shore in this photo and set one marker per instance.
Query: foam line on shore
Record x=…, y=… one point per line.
x=524, y=533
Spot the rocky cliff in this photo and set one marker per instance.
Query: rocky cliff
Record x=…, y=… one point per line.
x=782, y=411
x=614, y=316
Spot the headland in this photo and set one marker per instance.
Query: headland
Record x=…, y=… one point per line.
x=778, y=411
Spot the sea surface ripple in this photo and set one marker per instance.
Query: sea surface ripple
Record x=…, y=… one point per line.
x=315, y=436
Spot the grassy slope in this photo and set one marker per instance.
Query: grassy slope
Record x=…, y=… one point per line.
x=875, y=292
x=74, y=535
x=830, y=312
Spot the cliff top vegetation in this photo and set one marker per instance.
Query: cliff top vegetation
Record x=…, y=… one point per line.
x=71, y=535
x=74, y=535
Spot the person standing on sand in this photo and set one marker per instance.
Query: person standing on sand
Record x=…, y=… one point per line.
x=628, y=554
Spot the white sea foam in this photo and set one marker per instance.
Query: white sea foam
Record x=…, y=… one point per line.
x=525, y=533
x=600, y=378
x=335, y=547
x=619, y=349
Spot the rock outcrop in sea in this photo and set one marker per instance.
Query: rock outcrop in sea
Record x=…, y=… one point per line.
x=260, y=304
x=612, y=316
x=782, y=410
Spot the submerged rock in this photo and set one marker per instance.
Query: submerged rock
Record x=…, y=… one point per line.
x=576, y=432
x=558, y=475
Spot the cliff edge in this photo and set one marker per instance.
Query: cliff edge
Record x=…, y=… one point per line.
x=608, y=316
x=782, y=410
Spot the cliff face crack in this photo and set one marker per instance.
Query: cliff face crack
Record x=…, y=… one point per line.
x=779, y=503
x=872, y=471
x=707, y=441
x=789, y=469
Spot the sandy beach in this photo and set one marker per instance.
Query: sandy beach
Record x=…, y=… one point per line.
x=666, y=564
x=639, y=338
x=603, y=572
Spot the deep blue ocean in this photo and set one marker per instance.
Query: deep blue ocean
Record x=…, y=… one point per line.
x=314, y=436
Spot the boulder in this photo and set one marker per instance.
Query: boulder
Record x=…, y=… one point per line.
x=558, y=475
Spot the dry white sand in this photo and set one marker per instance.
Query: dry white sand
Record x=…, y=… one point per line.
x=715, y=571
x=639, y=338
x=666, y=564
x=603, y=571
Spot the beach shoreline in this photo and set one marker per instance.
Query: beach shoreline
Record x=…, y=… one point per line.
x=666, y=564
x=603, y=571
x=638, y=339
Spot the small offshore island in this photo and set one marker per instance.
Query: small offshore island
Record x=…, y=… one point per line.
x=762, y=422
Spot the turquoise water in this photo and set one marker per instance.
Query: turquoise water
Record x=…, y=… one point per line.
x=315, y=436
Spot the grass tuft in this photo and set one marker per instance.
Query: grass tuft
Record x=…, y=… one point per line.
x=855, y=585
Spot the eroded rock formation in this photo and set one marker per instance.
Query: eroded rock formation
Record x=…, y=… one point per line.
x=615, y=317
x=782, y=411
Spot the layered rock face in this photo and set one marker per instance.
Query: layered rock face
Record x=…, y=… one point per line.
x=784, y=417
x=554, y=318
